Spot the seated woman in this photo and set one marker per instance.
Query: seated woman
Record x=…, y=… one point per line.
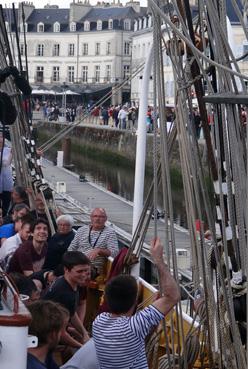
x=59, y=242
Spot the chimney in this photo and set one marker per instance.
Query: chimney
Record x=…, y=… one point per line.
x=135, y=5
x=79, y=10
x=28, y=8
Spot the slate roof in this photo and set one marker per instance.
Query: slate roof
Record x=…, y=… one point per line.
x=105, y=14
x=49, y=16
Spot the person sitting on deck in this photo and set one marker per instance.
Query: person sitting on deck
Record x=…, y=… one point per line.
x=11, y=244
x=40, y=211
x=48, y=322
x=119, y=336
x=8, y=229
x=96, y=240
x=59, y=242
x=70, y=291
x=30, y=256
x=18, y=196
x=26, y=287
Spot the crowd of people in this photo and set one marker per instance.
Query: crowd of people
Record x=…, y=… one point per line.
x=52, y=273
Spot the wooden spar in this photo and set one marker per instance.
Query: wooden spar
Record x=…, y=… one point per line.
x=226, y=99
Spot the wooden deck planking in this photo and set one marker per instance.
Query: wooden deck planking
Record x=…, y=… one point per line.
x=119, y=210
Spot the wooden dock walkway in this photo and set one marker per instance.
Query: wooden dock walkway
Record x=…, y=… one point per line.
x=119, y=210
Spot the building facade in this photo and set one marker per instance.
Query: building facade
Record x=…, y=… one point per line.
x=79, y=46
x=94, y=48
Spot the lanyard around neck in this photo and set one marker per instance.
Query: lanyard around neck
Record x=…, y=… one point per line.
x=89, y=238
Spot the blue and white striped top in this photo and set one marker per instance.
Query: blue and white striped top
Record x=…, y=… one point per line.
x=120, y=341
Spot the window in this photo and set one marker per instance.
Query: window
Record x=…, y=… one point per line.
x=40, y=27
x=108, y=49
x=71, y=74
x=110, y=24
x=149, y=21
x=39, y=74
x=127, y=25
x=40, y=50
x=87, y=26
x=108, y=73
x=56, y=50
x=97, y=73
x=56, y=27
x=182, y=253
x=22, y=49
x=7, y=26
x=98, y=46
x=126, y=71
x=126, y=48
x=245, y=50
x=71, y=50
x=85, y=49
x=55, y=76
x=73, y=27
x=99, y=25
x=84, y=73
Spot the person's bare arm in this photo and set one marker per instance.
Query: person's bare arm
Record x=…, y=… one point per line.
x=78, y=324
x=98, y=252
x=67, y=339
x=170, y=293
x=81, y=310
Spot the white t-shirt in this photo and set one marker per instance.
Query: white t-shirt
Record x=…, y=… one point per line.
x=10, y=245
x=84, y=358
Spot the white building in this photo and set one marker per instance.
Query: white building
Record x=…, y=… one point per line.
x=79, y=46
x=93, y=48
x=142, y=41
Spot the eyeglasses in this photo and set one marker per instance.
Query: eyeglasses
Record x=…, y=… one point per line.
x=64, y=225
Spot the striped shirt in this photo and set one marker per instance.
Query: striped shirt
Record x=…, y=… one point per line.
x=86, y=239
x=120, y=341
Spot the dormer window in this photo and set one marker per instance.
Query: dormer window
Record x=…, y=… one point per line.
x=140, y=23
x=56, y=27
x=7, y=26
x=144, y=22
x=149, y=21
x=86, y=25
x=22, y=29
x=73, y=27
x=40, y=27
x=127, y=25
x=110, y=24
x=99, y=25
x=135, y=25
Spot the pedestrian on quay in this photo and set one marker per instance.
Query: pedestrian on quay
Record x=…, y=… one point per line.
x=122, y=116
x=115, y=116
x=119, y=336
x=96, y=240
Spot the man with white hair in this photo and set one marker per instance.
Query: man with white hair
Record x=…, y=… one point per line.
x=59, y=242
x=96, y=240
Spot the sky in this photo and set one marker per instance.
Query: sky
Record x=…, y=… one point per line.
x=61, y=3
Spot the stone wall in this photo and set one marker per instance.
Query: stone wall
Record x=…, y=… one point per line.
x=104, y=141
